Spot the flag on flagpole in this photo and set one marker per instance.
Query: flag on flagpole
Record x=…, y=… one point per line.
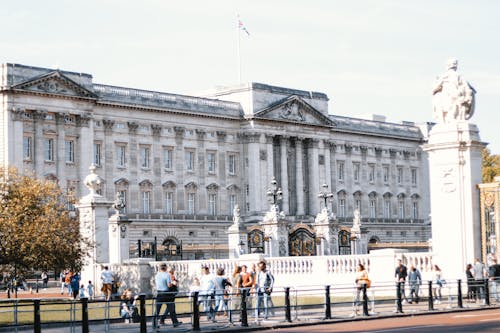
x=241, y=26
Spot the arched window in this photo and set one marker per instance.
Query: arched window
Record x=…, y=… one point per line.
x=341, y=207
x=232, y=192
x=212, y=191
x=121, y=187
x=387, y=205
x=146, y=189
x=414, y=206
x=169, y=195
x=401, y=206
x=372, y=203
x=191, y=190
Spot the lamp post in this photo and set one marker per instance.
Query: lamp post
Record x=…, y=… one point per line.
x=325, y=194
x=274, y=194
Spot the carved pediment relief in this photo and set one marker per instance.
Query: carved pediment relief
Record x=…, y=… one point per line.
x=294, y=109
x=55, y=83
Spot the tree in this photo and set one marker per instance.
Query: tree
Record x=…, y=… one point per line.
x=36, y=230
x=491, y=166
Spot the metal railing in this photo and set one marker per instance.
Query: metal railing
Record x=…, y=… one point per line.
x=289, y=304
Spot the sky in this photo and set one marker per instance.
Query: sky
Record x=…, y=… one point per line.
x=369, y=57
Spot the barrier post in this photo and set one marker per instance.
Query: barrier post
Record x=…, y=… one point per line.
x=328, y=309
x=244, y=314
x=196, y=312
x=288, y=313
x=142, y=312
x=486, y=292
x=459, y=294
x=365, y=301
x=431, y=300
x=85, y=315
x=37, y=325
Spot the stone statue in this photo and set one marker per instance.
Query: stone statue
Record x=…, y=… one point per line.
x=236, y=215
x=119, y=203
x=453, y=97
x=356, y=222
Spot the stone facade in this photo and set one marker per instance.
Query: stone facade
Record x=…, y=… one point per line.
x=182, y=163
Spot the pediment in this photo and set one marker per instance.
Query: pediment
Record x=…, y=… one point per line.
x=55, y=83
x=294, y=109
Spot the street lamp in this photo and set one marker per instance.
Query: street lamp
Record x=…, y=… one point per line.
x=274, y=194
x=325, y=194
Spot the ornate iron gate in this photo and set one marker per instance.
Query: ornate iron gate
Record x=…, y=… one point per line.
x=344, y=242
x=302, y=243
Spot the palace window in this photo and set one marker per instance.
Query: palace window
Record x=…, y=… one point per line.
x=191, y=203
x=212, y=204
x=168, y=158
x=97, y=153
x=385, y=171
x=371, y=173
x=123, y=195
x=341, y=170
x=232, y=203
x=146, y=202
x=232, y=164
x=120, y=156
x=189, y=156
x=211, y=162
x=70, y=151
x=27, y=148
x=169, y=202
x=387, y=206
x=145, y=156
x=400, y=175
x=355, y=171
x=49, y=150
x=401, y=206
x=414, y=176
x=341, y=197
x=373, y=205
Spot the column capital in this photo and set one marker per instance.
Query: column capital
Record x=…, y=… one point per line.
x=83, y=120
x=156, y=129
x=108, y=124
x=221, y=136
x=251, y=137
x=39, y=114
x=132, y=127
x=378, y=151
x=200, y=133
x=348, y=147
x=179, y=131
x=312, y=143
x=17, y=113
x=269, y=138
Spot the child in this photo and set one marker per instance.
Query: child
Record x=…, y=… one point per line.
x=90, y=290
x=82, y=291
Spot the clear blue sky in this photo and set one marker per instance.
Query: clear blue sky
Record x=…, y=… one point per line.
x=369, y=56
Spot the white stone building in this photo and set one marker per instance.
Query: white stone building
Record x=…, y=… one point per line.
x=183, y=162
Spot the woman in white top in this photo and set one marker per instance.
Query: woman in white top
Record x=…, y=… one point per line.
x=438, y=284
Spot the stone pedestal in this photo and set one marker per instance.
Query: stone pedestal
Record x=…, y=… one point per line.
x=454, y=151
x=93, y=212
x=275, y=233
x=237, y=237
x=327, y=231
x=118, y=238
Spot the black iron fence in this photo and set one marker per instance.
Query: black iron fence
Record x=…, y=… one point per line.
x=245, y=308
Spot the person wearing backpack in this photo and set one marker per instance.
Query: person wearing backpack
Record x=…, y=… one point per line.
x=264, y=283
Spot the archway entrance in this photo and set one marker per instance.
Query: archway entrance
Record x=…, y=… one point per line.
x=302, y=243
x=344, y=242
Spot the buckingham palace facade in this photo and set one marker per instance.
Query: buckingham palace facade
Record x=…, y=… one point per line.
x=182, y=163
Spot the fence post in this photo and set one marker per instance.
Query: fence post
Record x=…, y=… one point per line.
x=365, y=301
x=459, y=294
x=196, y=312
x=486, y=292
x=244, y=314
x=431, y=300
x=85, y=315
x=328, y=310
x=288, y=313
x=142, y=312
x=37, y=325
x=399, y=304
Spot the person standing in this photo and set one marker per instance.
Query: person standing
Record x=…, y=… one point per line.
x=438, y=284
x=401, y=273
x=90, y=290
x=107, y=277
x=361, y=280
x=166, y=287
x=45, y=279
x=221, y=282
x=494, y=276
x=62, y=278
x=207, y=292
x=75, y=285
x=246, y=283
x=471, y=287
x=264, y=287
x=128, y=307
x=479, y=276
x=415, y=280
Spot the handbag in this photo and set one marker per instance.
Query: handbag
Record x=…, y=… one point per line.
x=368, y=283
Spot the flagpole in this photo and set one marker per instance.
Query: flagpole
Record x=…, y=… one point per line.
x=238, y=48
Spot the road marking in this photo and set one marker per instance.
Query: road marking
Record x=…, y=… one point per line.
x=476, y=315
x=492, y=319
x=399, y=329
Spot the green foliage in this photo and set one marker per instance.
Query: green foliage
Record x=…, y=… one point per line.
x=36, y=230
x=491, y=166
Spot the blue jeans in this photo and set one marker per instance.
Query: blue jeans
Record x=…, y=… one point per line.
x=208, y=305
x=262, y=301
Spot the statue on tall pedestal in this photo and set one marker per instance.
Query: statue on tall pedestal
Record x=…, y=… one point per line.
x=453, y=96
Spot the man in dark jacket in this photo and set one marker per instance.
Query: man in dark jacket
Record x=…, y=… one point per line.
x=401, y=274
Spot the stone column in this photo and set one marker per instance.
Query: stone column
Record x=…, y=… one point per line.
x=299, y=176
x=39, y=142
x=16, y=135
x=313, y=176
x=222, y=173
x=284, y=174
x=179, y=168
x=270, y=167
x=157, y=167
x=254, y=173
x=201, y=170
x=84, y=157
x=454, y=151
x=237, y=236
x=60, y=148
x=328, y=171
x=118, y=233
x=109, y=152
x=133, y=167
